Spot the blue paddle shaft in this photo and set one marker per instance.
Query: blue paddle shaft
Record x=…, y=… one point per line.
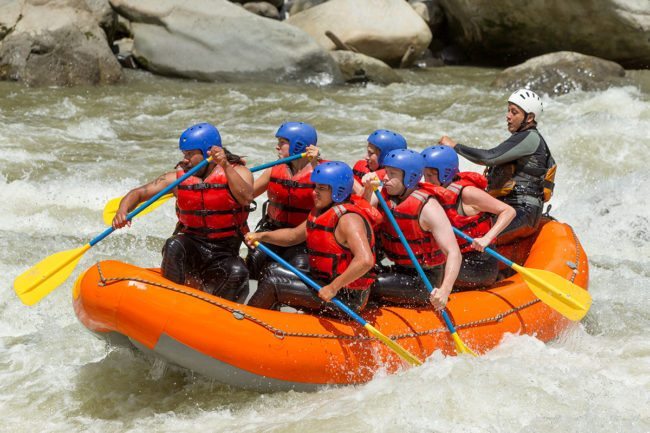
x=269, y=252
x=279, y=161
x=414, y=260
x=490, y=251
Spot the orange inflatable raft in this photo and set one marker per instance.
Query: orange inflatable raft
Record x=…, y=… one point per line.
x=270, y=350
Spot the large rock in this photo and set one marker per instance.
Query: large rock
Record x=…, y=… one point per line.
x=263, y=9
x=57, y=42
x=9, y=15
x=357, y=68
x=215, y=40
x=384, y=29
x=105, y=16
x=506, y=32
x=562, y=72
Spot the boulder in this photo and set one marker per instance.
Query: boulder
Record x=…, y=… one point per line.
x=263, y=9
x=215, y=40
x=562, y=72
x=58, y=43
x=507, y=32
x=357, y=67
x=387, y=30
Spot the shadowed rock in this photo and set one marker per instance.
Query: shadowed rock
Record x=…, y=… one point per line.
x=562, y=72
x=506, y=32
x=57, y=43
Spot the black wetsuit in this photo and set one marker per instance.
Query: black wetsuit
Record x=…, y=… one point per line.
x=278, y=286
x=214, y=264
x=256, y=260
x=400, y=285
x=524, y=158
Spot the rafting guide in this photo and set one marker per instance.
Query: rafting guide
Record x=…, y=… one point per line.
x=520, y=171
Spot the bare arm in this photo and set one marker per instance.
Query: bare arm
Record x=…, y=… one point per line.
x=240, y=182
x=281, y=237
x=350, y=232
x=477, y=201
x=140, y=194
x=240, y=179
x=262, y=183
x=434, y=220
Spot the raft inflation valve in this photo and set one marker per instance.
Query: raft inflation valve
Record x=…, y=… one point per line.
x=238, y=315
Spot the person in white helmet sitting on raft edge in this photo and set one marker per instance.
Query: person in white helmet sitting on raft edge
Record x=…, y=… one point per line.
x=520, y=171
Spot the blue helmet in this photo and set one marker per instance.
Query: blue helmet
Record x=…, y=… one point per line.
x=444, y=159
x=299, y=135
x=336, y=174
x=386, y=141
x=410, y=162
x=200, y=137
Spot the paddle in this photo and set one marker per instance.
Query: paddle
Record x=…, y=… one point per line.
x=35, y=283
x=114, y=204
x=460, y=346
x=403, y=353
x=567, y=298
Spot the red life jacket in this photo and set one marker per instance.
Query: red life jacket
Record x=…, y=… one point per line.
x=361, y=168
x=208, y=208
x=407, y=215
x=475, y=226
x=327, y=258
x=290, y=197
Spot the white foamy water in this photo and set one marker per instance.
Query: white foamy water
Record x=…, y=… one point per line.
x=65, y=152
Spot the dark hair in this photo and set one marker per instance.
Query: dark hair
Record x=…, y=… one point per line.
x=233, y=158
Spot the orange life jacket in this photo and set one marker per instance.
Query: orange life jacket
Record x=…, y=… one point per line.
x=290, y=197
x=474, y=226
x=328, y=258
x=361, y=168
x=208, y=208
x=407, y=215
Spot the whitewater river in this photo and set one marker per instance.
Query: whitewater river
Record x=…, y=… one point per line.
x=65, y=152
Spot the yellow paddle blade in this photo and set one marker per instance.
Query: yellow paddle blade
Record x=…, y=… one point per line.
x=36, y=282
x=460, y=346
x=568, y=299
x=114, y=204
x=403, y=353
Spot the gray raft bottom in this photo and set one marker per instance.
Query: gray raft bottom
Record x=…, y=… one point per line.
x=175, y=352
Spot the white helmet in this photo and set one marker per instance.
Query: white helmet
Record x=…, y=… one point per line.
x=528, y=101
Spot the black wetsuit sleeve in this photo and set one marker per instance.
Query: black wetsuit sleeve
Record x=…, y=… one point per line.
x=519, y=144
